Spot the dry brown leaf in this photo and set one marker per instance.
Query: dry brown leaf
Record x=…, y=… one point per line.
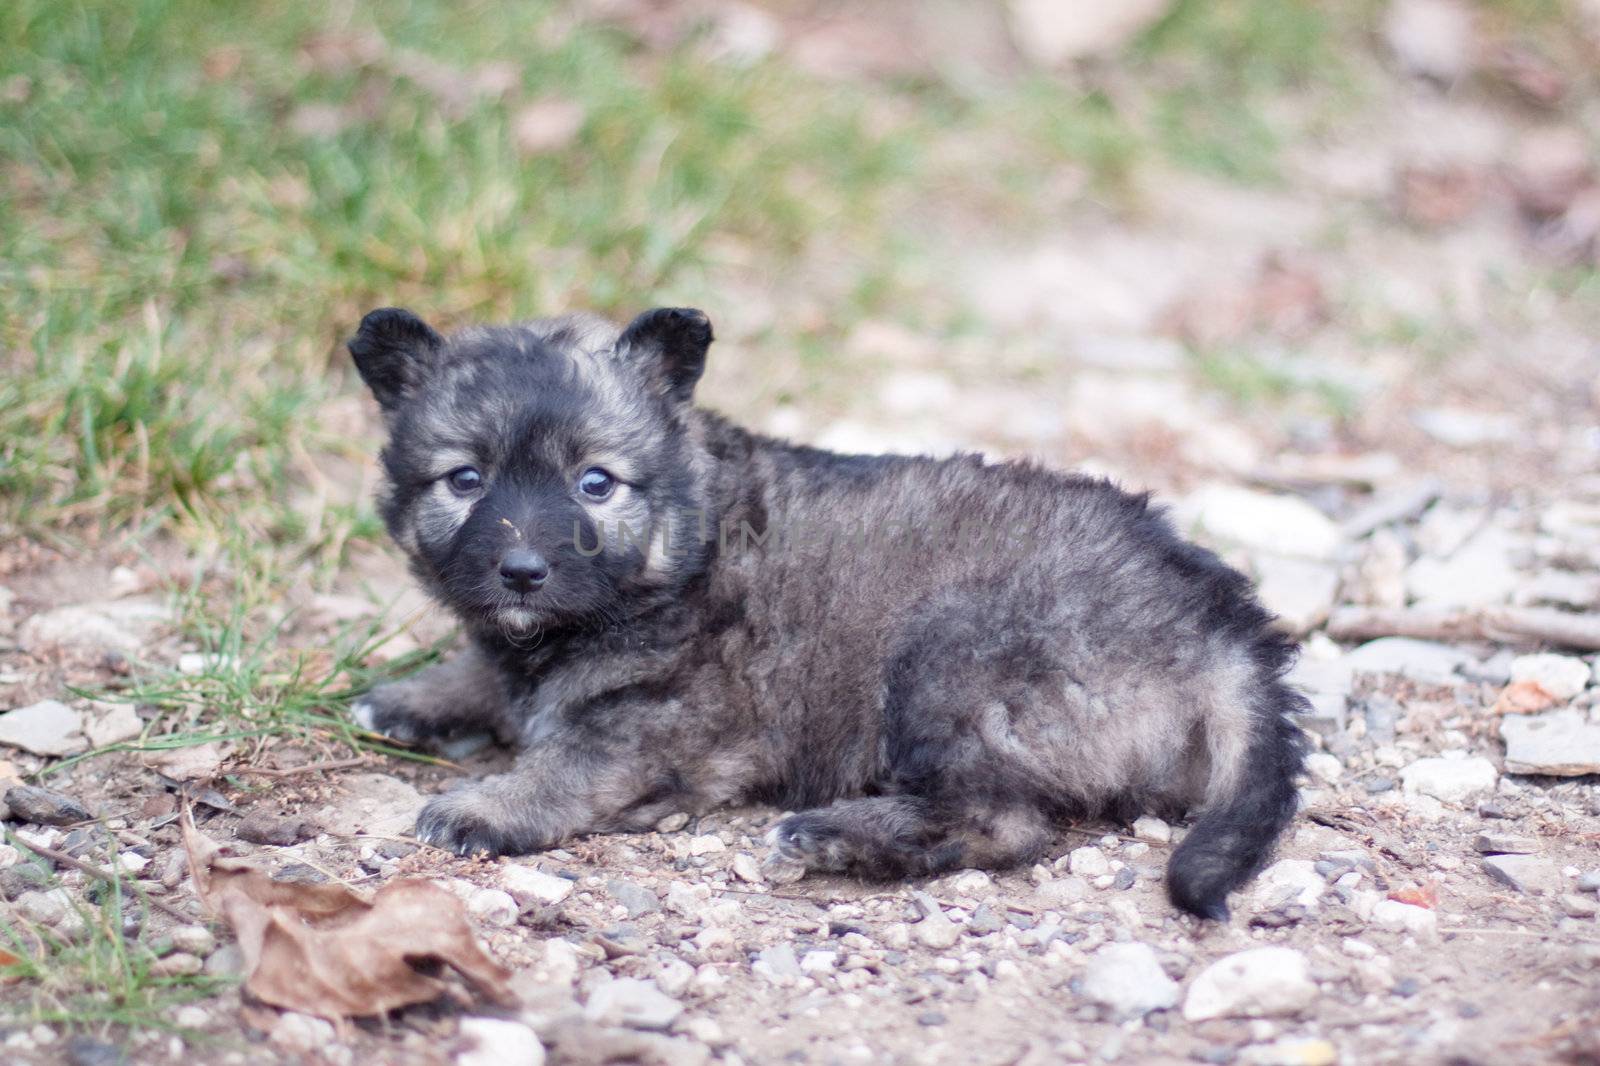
x=321, y=949
x=7, y=959
x=1524, y=697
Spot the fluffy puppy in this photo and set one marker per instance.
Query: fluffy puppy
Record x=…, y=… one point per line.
x=932, y=661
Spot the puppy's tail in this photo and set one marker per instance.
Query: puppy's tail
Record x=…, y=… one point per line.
x=1235, y=834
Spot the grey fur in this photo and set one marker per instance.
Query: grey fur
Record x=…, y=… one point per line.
x=935, y=661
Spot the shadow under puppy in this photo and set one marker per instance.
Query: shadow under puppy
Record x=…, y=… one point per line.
x=931, y=660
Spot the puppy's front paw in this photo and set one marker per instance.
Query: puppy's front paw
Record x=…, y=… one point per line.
x=472, y=819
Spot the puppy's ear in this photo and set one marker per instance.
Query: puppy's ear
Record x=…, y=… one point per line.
x=670, y=343
x=393, y=350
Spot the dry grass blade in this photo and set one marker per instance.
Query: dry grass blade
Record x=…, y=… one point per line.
x=328, y=951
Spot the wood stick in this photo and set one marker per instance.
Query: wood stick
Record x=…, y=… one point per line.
x=103, y=875
x=1505, y=625
x=308, y=768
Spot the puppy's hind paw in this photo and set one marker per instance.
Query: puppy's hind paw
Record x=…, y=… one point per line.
x=808, y=841
x=365, y=715
x=384, y=717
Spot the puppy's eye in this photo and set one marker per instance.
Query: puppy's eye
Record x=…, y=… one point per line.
x=596, y=483
x=465, y=481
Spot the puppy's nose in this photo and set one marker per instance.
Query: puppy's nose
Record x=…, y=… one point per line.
x=522, y=570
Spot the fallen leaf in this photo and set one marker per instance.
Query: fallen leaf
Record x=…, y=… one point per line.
x=1523, y=697
x=324, y=950
x=7, y=960
x=1422, y=896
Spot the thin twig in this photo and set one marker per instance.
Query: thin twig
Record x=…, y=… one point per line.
x=308, y=768
x=103, y=875
x=1508, y=625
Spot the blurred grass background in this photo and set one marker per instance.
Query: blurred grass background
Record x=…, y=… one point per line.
x=199, y=201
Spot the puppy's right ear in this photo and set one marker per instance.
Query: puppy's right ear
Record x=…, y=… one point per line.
x=393, y=350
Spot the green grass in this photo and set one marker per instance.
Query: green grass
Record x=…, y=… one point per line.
x=100, y=978
x=1224, y=67
x=180, y=257
x=199, y=201
x=1251, y=381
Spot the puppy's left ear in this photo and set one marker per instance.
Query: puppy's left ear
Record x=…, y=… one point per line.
x=393, y=350
x=671, y=344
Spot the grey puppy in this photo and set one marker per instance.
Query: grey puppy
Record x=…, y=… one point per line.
x=933, y=661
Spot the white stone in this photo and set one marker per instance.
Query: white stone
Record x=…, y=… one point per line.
x=1288, y=882
x=746, y=868
x=937, y=931
x=972, y=883
x=380, y=804
x=1291, y=1051
x=1259, y=983
x=1280, y=525
x=705, y=1030
x=191, y=1017
x=301, y=1032
x=1299, y=591
x=1324, y=767
x=1433, y=38
x=1462, y=427
x=632, y=1002
x=48, y=727
x=1531, y=874
x=778, y=963
x=818, y=962
x=674, y=977
x=493, y=907
x=1127, y=979
x=496, y=1042
x=1426, y=661
x=1478, y=573
x=111, y=724
x=198, y=662
x=910, y=392
x=1061, y=891
x=117, y=625
x=685, y=899
x=1451, y=778
x=1561, y=743
x=1563, y=676
x=1404, y=918
x=1051, y=33
x=1152, y=830
x=707, y=844
x=44, y=908
x=529, y=885
x=1088, y=862
x=197, y=940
